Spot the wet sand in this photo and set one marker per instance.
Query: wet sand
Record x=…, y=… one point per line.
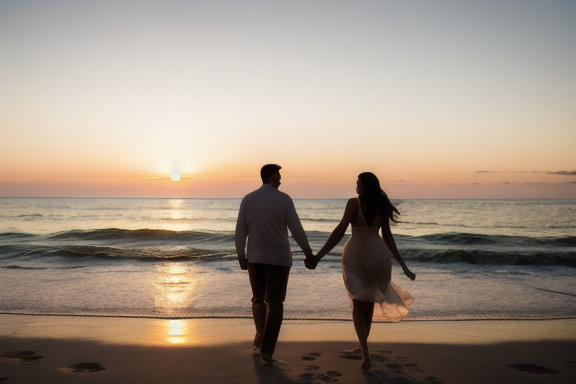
x=72, y=349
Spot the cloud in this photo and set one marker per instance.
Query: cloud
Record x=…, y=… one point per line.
x=563, y=173
x=508, y=172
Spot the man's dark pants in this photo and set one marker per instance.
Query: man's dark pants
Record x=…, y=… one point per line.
x=269, y=283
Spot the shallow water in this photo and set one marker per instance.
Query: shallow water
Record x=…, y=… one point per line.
x=176, y=258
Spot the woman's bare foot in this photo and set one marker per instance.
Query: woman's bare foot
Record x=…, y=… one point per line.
x=366, y=365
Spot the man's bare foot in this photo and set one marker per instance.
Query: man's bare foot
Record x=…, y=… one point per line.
x=266, y=360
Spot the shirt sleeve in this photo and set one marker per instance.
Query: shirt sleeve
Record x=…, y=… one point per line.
x=296, y=228
x=241, y=232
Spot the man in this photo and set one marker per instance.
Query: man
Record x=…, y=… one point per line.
x=264, y=219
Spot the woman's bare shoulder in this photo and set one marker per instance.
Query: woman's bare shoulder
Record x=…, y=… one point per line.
x=351, y=209
x=352, y=204
x=353, y=201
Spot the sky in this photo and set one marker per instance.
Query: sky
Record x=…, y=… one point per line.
x=440, y=99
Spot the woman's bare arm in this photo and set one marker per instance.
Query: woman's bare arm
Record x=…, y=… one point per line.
x=340, y=230
x=391, y=244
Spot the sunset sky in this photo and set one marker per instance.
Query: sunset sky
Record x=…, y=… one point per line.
x=440, y=99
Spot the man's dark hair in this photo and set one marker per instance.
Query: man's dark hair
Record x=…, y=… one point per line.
x=267, y=171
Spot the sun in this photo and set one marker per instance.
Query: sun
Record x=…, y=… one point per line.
x=175, y=176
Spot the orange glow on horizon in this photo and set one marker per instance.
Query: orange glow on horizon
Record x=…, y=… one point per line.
x=497, y=185
x=84, y=111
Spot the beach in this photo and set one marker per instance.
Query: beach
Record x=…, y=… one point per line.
x=87, y=349
x=150, y=291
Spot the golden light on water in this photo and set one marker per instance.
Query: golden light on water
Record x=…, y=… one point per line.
x=175, y=285
x=176, y=217
x=176, y=209
x=176, y=331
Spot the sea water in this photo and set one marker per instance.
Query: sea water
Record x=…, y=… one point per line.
x=175, y=258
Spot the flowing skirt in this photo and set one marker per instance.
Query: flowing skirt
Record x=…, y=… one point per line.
x=367, y=270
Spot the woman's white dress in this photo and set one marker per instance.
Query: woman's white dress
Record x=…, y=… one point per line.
x=367, y=269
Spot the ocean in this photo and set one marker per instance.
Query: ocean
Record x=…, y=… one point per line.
x=175, y=258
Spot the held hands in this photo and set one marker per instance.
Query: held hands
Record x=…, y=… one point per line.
x=311, y=261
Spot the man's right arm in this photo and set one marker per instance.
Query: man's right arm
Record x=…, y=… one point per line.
x=297, y=230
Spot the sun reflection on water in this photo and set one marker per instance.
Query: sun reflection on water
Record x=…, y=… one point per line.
x=176, y=209
x=176, y=217
x=175, y=286
x=177, y=331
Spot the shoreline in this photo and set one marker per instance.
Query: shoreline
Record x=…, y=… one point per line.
x=319, y=320
x=57, y=349
x=296, y=319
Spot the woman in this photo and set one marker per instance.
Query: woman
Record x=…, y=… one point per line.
x=366, y=259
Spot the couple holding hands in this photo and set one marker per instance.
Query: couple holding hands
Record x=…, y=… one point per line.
x=263, y=249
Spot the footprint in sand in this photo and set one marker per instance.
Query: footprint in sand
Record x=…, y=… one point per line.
x=389, y=368
x=21, y=357
x=534, y=369
x=311, y=356
x=328, y=377
x=314, y=375
x=353, y=354
x=83, y=368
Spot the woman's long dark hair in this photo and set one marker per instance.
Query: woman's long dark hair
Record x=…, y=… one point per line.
x=375, y=199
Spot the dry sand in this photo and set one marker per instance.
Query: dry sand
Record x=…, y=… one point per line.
x=71, y=349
